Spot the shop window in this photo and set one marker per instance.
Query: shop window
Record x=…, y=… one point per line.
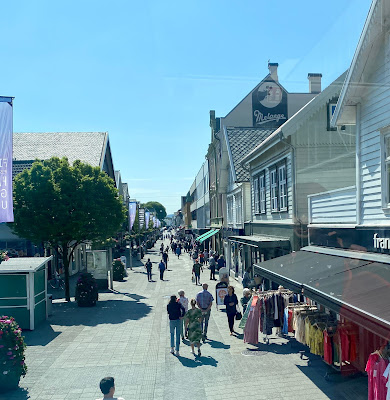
x=262, y=192
x=238, y=199
x=274, y=189
x=282, y=187
x=256, y=194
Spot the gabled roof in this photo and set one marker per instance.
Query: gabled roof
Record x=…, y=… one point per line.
x=296, y=121
x=240, y=141
x=365, y=53
x=89, y=147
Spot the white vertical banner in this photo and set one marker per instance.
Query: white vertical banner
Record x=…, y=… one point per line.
x=6, y=129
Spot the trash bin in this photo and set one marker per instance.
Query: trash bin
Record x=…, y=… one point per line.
x=49, y=300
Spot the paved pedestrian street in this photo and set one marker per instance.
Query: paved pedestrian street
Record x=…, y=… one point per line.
x=127, y=336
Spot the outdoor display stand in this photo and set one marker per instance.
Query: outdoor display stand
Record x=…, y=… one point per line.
x=98, y=264
x=23, y=290
x=220, y=293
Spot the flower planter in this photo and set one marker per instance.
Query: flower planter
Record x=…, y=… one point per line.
x=86, y=291
x=8, y=382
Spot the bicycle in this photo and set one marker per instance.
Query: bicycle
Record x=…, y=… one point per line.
x=57, y=283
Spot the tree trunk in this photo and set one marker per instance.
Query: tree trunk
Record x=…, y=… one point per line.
x=65, y=260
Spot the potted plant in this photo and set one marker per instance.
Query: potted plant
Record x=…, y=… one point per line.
x=3, y=256
x=12, y=359
x=86, y=290
x=118, y=269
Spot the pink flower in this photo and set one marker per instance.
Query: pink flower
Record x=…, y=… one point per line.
x=22, y=362
x=1, y=346
x=9, y=353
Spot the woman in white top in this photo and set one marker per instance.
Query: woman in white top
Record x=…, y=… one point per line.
x=184, y=302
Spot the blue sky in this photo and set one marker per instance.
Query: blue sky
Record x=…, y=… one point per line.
x=148, y=72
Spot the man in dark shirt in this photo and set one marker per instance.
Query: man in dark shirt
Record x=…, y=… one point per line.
x=148, y=267
x=166, y=259
x=197, y=267
x=176, y=312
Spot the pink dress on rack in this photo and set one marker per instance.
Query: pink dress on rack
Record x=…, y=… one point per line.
x=251, y=330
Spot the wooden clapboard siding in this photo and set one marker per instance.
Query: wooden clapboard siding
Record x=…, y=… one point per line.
x=333, y=207
x=375, y=115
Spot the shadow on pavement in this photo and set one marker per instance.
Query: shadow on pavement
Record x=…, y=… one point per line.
x=217, y=345
x=335, y=385
x=44, y=337
x=198, y=361
x=19, y=394
x=134, y=296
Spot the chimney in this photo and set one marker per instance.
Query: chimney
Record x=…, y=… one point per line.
x=273, y=71
x=314, y=83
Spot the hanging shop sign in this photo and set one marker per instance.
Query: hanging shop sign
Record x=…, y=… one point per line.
x=132, y=214
x=269, y=105
x=6, y=207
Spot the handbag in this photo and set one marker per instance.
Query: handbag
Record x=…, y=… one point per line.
x=238, y=313
x=193, y=278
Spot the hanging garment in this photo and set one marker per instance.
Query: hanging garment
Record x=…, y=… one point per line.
x=285, y=322
x=375, y=368
x=386, y=375
x=245, y=316
x=327, y=348
x=344, y=339
x=290, y=320
x=251, y=331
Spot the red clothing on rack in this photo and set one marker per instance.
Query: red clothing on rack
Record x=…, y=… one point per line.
x=328, y=358
x=344, y=338
x=290, y=320
x=375, y=367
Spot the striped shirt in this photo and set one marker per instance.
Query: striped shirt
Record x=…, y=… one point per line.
x=204, y=299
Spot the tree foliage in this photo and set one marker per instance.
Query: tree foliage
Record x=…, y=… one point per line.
x=161, y=212
x=65, y=206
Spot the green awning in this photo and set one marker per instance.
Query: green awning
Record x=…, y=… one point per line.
x=211, y=233
x=203, y=235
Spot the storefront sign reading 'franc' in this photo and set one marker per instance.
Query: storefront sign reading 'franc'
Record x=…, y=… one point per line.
x=269, y=105
x=381, y=243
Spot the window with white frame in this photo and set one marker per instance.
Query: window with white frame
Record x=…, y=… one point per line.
x=230, y=209
x=282, y=187
x=386, y=171
x=274, y=189
x=238, y=199
x=256, y=194
x=262, y=192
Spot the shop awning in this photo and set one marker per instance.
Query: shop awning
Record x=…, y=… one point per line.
x=355, y=288
x=204, y=234
x=261, y=241
x=209, y=234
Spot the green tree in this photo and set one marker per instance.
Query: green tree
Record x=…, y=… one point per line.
x=161, y=212
x=65, y=205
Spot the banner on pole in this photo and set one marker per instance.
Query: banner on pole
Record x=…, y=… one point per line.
x=141, y=216
x=147, y=218
x=132, y=214
x=6, y=205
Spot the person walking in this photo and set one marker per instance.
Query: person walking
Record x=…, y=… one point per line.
x=161, y=267
x=175, y=312
x=246, y=296
x=201, y=258
x=165, y=259
x=107, y=386
x=148, y=267
x=196, y=268
x=212, y=265
x=221, y=262
x=204, y=300
x=231, y=302
x=184, y=302
x=206, y=256
x=178, y=251
x=193, y=320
